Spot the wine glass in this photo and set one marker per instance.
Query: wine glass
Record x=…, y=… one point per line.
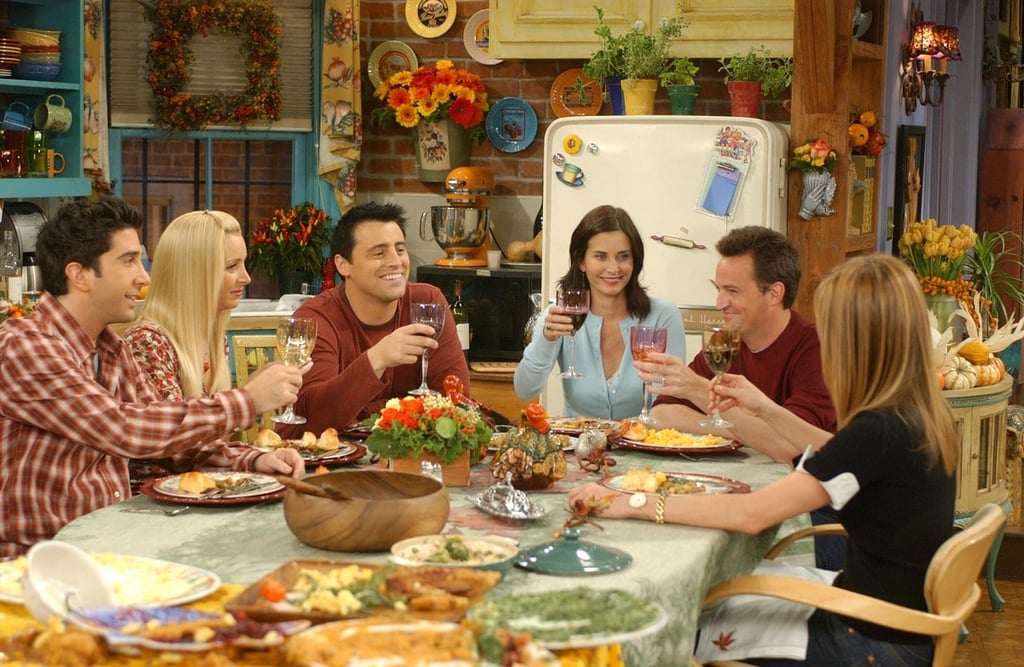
x=431, y=314
x=295, y=340
x=643, y=341
x=576, y=304
x=721, y=345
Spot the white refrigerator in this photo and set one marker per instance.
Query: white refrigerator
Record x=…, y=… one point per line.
x=683, y=178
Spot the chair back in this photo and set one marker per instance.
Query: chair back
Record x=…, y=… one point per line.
x=252, y=352
x=950, y=585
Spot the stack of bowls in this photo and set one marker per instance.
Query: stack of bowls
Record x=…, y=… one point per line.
x=10, y=55
x=40, y=53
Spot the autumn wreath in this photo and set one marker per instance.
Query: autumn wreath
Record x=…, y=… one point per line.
x=169, y=62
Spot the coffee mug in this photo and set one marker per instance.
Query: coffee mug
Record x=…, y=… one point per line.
x=52, y=158
x=52, y=115
x=15, y=119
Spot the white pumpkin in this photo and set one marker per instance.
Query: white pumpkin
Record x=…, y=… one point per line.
x=990, y=373
x=959, y=373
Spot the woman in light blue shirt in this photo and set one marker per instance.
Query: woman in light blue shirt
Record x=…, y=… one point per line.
x=606, y=255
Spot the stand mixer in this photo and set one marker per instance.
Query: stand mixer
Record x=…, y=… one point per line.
x=461, y=227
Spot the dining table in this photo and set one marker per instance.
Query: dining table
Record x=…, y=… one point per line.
x=672, y=564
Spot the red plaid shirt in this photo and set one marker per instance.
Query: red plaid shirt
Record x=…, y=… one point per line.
x=66, y=437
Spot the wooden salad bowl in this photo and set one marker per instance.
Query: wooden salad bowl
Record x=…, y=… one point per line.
x=382, y=508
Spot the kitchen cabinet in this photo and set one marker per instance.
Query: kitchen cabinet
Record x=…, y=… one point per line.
x=835, y=76
x=66, y=16
x=565, y=30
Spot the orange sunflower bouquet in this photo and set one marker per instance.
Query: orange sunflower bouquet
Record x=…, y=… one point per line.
x=432, y=94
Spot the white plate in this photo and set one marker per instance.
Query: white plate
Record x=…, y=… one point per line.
x=389, y=58
x=430, y=18
x=710, y=483
x=136, y=580
x=476, y=37
x=264, y=485
x=416, y=551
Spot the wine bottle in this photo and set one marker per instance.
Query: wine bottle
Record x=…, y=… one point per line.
x=461, y=318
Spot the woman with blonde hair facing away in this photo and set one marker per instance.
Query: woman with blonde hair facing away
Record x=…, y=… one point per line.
x=178, y=337
x=888, y=470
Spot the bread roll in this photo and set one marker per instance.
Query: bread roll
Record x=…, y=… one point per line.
x=634, y=430
x=308, y=440
x=328, y=440
x=196, y=482
x=267, y=439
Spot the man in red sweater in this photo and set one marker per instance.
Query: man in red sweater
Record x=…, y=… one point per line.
x=367, y=349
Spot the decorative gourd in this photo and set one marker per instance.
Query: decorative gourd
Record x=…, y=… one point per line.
x=975, y=352
x=959, y=373
x=990, y=373
x=533, y=454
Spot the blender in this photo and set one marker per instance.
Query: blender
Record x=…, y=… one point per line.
x=461, y=226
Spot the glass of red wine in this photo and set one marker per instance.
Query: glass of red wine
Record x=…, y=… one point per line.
x=643, y=341
x=721, y=345
x=431, y=314
x=576, y=304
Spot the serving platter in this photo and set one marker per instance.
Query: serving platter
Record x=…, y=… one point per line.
x=136, y=580
x=680, y=449
x=711, y=484
x=166, y=489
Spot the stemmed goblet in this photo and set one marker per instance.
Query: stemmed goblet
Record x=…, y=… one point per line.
x=295, y=340
x=643, y=341
x=721, y=345
x=576, y=304
x=433, y=315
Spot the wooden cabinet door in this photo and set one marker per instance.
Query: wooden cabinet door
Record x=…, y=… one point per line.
x=723, y=27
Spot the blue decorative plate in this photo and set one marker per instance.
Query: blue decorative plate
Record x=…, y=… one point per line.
x=511, y=124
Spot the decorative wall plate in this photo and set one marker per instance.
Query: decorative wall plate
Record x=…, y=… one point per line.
x=511, y=124
x=430, y=18
x=566, y=100
x=389, y=58
x=476, y=37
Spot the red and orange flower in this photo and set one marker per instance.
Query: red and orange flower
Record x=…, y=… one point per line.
x=432, y=94
x=417, y=425
x=290, y=240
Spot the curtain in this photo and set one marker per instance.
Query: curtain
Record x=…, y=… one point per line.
x=95, y=143
x=341, y=129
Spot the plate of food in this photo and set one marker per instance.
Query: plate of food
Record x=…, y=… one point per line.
x=670, y=441
x=326, y=450
x=322, y=590
x=574, y=618
x=213, y=488
x=645, y=480
x=577, y=425
x=487, y=552
x=135, y=580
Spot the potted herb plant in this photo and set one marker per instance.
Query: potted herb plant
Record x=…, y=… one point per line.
x=678, y=80
x=606, y=64
x=752, y=76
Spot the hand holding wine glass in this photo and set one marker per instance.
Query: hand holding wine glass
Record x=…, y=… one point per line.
x=721, y=345
x=576, y=304
x=433, y=315
x=295, y=340
x=643, y=341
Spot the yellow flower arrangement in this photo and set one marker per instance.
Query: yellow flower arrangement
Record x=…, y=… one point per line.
x=814, y=155
x=938, y=256
x=432, y=94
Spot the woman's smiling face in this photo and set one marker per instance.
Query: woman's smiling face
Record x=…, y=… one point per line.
x=608, y=263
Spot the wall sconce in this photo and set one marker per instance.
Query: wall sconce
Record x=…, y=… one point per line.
x=923, y=72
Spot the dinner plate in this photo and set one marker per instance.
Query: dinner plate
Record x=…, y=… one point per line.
x=135, y=580
x=719, y=448
x=389, y=58
x=577, y=425
x=166, y=489
x=711, y=483
x=511, y=124
x=346, y=453
x=430, y=18
x=476, y=37
x=566, y=100
x=359, y=431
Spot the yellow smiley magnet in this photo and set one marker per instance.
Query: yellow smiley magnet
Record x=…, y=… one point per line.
x=572, y=144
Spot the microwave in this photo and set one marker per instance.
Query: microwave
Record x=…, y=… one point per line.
x=497, y=301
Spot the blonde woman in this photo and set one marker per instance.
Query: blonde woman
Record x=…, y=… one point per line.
x=888, y=470
x=178, y=337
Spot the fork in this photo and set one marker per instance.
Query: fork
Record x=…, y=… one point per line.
x=169, y=512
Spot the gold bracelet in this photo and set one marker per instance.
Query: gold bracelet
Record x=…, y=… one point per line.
x=659, y=509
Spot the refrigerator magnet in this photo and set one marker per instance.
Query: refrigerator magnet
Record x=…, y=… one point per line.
x=571, y=175
x=430, y=18
x=721, y=185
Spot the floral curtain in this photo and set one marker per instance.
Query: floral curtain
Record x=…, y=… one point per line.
x=341, y=130
x=95, y=142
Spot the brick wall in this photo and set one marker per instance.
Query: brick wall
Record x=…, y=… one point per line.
x=388, y=163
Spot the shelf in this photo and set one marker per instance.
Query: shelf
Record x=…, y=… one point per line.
x=34, y=87
x=867, y=52
x=22, y=188
x=861, y=243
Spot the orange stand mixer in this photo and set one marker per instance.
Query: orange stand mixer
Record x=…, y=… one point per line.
x=462, y=226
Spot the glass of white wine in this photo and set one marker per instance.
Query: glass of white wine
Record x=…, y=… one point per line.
x=295, y=340
x=721, y=345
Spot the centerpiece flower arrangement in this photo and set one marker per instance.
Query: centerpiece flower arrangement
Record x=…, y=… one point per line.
x=432, y=94
x=290, y=240
x=418, y=425
x=938, y=255
x=816, y=159
x=14, y=310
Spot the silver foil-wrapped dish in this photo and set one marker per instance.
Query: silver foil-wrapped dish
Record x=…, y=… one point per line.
x=504, y=500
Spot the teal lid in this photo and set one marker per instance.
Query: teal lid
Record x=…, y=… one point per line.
x=569, y=555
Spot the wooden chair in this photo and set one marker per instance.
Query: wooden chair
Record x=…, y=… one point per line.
x=250, y=353
x=950, y=586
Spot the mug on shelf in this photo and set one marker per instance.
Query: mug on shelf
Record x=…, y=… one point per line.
x=54, y=163
x=52, y=115
x=14, y=119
